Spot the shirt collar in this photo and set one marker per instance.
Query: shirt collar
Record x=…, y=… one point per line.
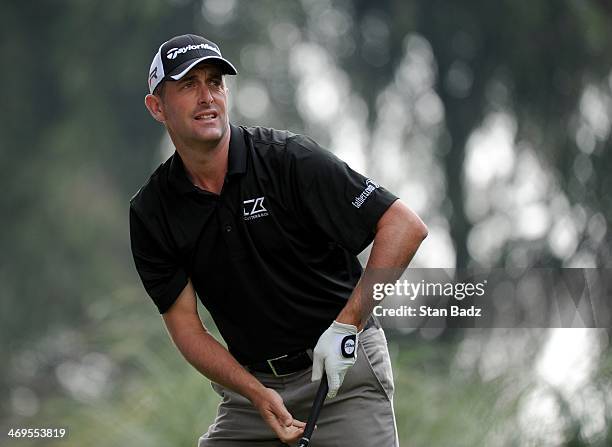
x=236, y=163
x=237, y=158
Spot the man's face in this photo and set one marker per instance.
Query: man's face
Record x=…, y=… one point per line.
x=195, y=107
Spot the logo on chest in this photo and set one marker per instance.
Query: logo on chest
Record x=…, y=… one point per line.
x=254, y=208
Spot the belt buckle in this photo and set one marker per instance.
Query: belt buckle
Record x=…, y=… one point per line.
x=271, y=365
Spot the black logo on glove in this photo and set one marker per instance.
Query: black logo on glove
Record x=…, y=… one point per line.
x=348, y=346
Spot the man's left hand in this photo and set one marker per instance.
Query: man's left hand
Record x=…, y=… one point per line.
x=335, y=352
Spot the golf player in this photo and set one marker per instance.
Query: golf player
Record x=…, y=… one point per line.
x=263, y=227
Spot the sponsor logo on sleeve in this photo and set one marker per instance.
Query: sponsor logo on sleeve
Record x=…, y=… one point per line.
x=370, y=187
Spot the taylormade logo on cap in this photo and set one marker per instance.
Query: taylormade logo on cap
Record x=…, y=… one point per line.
x=172, y=53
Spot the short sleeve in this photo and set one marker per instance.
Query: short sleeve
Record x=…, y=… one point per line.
x=162, y=277
x=343, y=203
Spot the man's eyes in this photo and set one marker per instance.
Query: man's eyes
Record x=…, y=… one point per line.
x=214, y=82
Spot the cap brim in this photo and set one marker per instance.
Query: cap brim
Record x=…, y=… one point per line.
x=182, y=69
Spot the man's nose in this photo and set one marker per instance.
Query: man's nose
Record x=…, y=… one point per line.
x=205, y=95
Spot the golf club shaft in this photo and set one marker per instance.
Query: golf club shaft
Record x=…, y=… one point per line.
x=314, y=411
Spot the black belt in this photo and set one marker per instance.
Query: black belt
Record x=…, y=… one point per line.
x=295, y=361
x=285, y=364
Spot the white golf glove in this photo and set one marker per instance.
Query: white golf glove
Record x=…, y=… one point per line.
x=335, y=352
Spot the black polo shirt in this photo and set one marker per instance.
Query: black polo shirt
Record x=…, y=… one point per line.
x=273, y=256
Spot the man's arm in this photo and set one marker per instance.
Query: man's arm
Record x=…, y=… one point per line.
x=211, y=359
x=399, y=233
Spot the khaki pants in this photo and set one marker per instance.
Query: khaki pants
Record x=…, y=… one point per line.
x=361, y=415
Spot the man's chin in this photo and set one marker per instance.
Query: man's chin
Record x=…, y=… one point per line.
x=209, y=135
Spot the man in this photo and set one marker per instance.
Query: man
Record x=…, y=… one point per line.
x=264, y=226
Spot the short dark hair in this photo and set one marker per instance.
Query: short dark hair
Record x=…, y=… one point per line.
x=159, y=90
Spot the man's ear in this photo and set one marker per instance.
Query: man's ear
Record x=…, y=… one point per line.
x=155, y=108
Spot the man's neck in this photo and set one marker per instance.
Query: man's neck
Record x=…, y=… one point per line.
x=206, y=165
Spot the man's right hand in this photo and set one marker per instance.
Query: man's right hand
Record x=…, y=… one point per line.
x=272, y=409
x=213, y=360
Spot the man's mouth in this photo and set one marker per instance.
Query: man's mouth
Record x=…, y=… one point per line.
x=206, y=116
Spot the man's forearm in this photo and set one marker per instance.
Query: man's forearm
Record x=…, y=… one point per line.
x=215, y=362
x=398, y=237
x=211, y=358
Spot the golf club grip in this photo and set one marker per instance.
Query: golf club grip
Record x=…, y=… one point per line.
x=314, y=411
